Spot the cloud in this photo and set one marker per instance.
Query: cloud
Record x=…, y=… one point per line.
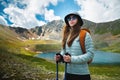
x=23, y=12
x=99, y=10
x=22, y=18
x=3, y=21
x=49, y=15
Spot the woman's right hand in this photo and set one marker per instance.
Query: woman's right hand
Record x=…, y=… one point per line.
x=57, y=58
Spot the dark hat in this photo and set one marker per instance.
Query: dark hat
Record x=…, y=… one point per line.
x=76, y=14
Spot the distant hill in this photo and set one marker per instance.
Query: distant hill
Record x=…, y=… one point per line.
x=113, y=27
x=7, y=34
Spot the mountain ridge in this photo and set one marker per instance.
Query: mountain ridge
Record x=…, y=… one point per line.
x=103, y=34
x=55, y=27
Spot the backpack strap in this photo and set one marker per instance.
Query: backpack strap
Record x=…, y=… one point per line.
x=82, y=40
x=82, y=36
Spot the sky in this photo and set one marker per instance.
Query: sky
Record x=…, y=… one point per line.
x=31, y=13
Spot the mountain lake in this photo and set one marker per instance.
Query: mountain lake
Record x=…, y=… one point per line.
x=100, y=57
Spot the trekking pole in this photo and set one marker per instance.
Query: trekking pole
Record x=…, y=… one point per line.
x=57, y=70
x=57, y=67
x=66, y=67
x=65, y=70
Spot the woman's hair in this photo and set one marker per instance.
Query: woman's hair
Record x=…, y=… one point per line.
x=73, y=34
x=66, y=31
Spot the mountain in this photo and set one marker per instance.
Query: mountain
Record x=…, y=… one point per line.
x=108, y=33
x=7, y=35
x=23, y=33
x=113, y=27
x=52, y=30
x=103, y=34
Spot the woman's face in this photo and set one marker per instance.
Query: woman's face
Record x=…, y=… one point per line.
x=72, y=20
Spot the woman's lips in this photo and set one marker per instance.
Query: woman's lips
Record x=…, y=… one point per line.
x=71, y=22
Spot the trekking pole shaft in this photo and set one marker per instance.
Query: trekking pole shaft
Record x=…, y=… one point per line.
x=65, y=70
x=57, y=70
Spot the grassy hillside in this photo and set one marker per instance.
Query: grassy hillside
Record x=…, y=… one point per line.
x=108, y=36
x=107, y=42
x=113, y=48
x=113, y=27
x=18, y=63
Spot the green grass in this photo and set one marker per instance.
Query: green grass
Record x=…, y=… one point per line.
x=105, y=72
x=42, y=45
x=24, y=67
x=47, y=47
x=49, y=65
x=113, y=48
x=113, y=28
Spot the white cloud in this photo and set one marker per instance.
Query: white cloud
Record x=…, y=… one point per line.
x=99, y=10
x=49, y=15
x=22, y=18
x=26, y=17
x=3, y=21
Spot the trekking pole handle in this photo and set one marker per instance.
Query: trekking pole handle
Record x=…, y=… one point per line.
x=67, y=55
x=61, y=57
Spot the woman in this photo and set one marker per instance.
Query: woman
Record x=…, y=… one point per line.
x=77, y=67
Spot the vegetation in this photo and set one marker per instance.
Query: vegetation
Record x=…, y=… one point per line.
x=105, y=72
x=18, y=63
x=112, y=27
x=22, y=67
x=99, y=45
x=48, y=47
x=113, y=48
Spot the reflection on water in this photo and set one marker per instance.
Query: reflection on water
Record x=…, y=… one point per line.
x=100, y=57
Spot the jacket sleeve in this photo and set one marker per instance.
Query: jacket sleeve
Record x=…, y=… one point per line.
x=63, y=51
x=89, y=51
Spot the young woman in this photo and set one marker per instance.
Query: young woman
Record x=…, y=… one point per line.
x=77, y=67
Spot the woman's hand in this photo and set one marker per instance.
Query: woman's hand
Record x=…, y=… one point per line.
x=57, y=58
x=67, y=58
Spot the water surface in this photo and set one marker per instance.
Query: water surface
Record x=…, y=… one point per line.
x=99, y=57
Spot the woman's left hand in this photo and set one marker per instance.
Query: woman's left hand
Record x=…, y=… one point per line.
x=67, y=58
